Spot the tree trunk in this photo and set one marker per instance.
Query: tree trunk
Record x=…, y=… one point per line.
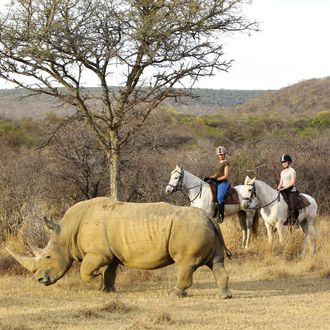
x=113, y=161
x=1, y=231
x=114, y=175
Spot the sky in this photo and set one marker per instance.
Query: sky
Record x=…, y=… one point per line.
x=292, y=46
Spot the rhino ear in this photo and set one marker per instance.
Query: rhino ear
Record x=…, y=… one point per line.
x=52, y=225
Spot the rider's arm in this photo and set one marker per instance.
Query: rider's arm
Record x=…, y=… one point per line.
x=226, y=174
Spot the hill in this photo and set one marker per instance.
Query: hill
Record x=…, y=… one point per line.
x=305, y=98
x=15, y=103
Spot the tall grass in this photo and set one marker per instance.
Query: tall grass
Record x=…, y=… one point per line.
x=260, y=259
x=280, y=260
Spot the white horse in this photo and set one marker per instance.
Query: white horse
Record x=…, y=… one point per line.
x=200, y=195
x=274, y=211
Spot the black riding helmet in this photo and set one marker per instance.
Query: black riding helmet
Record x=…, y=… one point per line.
x=286, y=158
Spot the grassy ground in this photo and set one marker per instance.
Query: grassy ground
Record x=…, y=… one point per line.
x=272, y=289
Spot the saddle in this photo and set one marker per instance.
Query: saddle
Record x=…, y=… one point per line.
x=231, y=196
x=302, y=201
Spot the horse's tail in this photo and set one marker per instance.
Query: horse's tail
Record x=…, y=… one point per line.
x=220, y=236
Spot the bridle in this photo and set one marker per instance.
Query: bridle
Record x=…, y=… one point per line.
x=254, y=195
x=179, y=186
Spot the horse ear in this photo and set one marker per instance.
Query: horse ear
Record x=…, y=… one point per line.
x=247, y=180
x=254, y=179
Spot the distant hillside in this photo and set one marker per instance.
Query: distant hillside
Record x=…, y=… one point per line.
x=14, y=103
x=209, y=101
x=306, y=98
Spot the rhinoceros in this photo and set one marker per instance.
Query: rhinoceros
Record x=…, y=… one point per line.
x=102, y=233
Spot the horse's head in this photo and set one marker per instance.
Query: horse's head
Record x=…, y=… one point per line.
x=176, y=180
x=248, y=194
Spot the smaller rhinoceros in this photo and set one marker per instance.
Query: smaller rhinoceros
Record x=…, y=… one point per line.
x=101, y=234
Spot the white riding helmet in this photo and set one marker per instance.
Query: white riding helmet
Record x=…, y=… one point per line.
x=221, y=150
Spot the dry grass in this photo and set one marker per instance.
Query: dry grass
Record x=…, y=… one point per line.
x=272, y=288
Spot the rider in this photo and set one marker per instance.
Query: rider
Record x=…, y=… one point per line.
x=287, y=186
x=222, y=176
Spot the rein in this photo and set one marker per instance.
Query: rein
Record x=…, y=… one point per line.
x=254, y=194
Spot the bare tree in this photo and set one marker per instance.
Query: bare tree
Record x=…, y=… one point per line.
x=74, y=157
x=147, y=47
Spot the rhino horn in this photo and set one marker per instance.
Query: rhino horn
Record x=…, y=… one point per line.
x=35, y=250
x=52, y=225
x=27, y=262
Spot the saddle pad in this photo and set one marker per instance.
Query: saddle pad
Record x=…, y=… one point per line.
x=302, y=201
x=232, y=196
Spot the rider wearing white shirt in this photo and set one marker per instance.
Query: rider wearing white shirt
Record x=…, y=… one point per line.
x=287, y=185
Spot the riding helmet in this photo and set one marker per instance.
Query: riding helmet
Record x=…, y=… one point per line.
x=286, y=158
x=221, y=150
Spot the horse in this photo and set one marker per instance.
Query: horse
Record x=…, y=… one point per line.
x=275, y=210
x=200, y=195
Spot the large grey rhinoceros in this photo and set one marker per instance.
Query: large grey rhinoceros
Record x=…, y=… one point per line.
x=101, y=234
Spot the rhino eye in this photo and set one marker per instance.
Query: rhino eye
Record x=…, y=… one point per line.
x=48, y=257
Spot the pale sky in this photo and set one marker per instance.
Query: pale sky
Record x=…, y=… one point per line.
x=292, y=46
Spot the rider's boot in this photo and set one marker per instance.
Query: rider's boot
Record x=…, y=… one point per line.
x=295, y=215
x=216, y=210
x=221, y=212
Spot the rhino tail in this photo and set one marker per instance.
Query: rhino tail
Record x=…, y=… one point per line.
x=220, y=236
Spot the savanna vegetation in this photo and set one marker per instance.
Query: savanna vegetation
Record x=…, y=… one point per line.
x=48, y=163
x=148, y=48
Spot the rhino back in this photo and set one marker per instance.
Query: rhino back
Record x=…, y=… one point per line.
x=153, y=235
x=141, y=235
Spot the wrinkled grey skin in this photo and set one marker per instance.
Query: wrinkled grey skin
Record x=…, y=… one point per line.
x=101, y=234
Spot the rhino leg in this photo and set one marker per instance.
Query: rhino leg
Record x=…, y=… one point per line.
x=183, y=280
x=109, y=275
x=221, y=277
x=93, y=268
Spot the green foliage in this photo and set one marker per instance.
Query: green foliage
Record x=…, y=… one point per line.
x=321, y=119
x=18, y=133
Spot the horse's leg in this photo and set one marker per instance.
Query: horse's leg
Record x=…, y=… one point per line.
x=304, y=227
x=249, y=225
x=269, y=228
x=280, y=229
x=308, y=229
x=242, y=222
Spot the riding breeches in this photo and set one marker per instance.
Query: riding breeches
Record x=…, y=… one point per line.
x=292, y=198
x=222, y=188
